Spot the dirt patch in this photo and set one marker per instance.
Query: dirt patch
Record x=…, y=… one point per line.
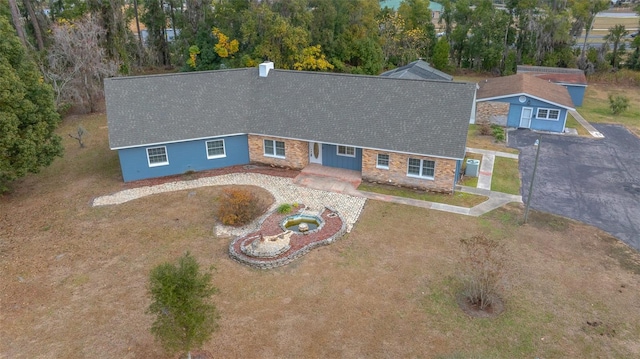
x=474, y=310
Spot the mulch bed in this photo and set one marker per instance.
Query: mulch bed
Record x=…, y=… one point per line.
x=271, y=226
x=266, y=170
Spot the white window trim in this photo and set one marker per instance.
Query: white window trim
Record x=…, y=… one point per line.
x=548, y=112
x=166, y=154
x=421, y=167
x=273, y=142
x=383, y=167
x=224, y=149
x=345, y=154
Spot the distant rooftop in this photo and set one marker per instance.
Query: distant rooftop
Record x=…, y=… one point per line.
x=555, y=74
x=395, y=4
x=417, y=70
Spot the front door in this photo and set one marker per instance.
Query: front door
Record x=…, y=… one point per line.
x=315, y=152
x=525, y=117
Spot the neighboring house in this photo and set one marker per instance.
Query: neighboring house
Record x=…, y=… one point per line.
x=573, y=79
x=436, y=8
x=418, y=70
x=397, y=131
x=527, y=101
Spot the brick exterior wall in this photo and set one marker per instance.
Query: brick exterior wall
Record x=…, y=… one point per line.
x=296, y=152
x=397, y=173
x=485, y=110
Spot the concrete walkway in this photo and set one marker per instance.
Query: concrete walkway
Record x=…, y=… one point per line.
x=486, y=165
x=592, y=130
x=342, y=181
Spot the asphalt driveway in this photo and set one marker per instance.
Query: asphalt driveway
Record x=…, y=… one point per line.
x=596, y=181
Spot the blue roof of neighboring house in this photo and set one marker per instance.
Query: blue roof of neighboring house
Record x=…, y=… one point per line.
x=411, y=116
x=395, y=4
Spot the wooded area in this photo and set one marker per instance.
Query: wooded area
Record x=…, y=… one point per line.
x=76, y=43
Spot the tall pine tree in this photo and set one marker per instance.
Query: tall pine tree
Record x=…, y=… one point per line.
x=28, y=116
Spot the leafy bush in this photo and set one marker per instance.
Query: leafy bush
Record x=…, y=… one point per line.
x=238, y=207
x=497, y=132
x=618, y=103
x=483, y=268
x=284, y=208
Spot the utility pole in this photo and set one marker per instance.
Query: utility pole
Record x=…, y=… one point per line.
x=538, y=143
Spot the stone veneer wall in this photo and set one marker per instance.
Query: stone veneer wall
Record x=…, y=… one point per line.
x=397, y=172
x=296, y=152
x=486, y=109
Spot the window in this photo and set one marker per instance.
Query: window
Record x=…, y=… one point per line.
x=548, y=114
x=274, y=148
x=157, y=156
x=346, y=151
x=383, y=161
x=421, y=168
x=215, y=149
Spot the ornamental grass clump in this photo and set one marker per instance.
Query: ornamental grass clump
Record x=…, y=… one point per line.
x=284, y=208
x=483, y=268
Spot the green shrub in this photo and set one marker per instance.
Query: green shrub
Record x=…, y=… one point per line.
x=284, y=208
x=618, y=103
x=238, y=207
x=498, y=132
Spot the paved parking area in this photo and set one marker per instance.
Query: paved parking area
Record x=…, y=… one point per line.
x=596, y=181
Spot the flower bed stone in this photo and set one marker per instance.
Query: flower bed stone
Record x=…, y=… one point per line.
x=300, y=244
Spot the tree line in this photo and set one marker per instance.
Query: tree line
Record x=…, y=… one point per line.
x=353, y=36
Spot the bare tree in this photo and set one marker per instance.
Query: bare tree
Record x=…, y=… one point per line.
x=77, y=64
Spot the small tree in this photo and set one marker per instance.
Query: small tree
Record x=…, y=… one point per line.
x=180, y=295
x=483, y=268
x=618, y=103
x=440, y=57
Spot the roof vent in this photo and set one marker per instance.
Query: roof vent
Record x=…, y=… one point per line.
x=265, y=67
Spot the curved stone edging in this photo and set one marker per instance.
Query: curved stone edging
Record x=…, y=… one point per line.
x=240, y=258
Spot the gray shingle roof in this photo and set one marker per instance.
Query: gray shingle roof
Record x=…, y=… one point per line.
x=422, y=117
x=418, y=70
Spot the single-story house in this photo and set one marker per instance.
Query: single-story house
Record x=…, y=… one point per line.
x=527, y=102
x=418, y=70
x=406, y=132
x=573, y=79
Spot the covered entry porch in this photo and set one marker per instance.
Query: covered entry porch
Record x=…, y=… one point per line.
x=329, y=178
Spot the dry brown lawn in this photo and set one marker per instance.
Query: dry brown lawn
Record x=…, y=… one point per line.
x=74, y=278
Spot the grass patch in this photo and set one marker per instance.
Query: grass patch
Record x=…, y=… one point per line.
x=475, y=140
x=468, y=180
x=573, y=123
x=596, y=106
x=456, y=199
x=506, y=177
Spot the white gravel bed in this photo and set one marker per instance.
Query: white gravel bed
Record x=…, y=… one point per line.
x=283, y=190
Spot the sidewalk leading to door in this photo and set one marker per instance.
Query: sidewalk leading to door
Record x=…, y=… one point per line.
x=592, y=130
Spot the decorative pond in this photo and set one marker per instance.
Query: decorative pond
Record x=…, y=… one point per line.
x=301, y=223
x=282, y=238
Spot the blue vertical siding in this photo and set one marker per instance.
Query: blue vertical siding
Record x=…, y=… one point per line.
x=515, y=111
x=330, y=158
x=576, y=93
x=457, y=175
x=183, y=157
